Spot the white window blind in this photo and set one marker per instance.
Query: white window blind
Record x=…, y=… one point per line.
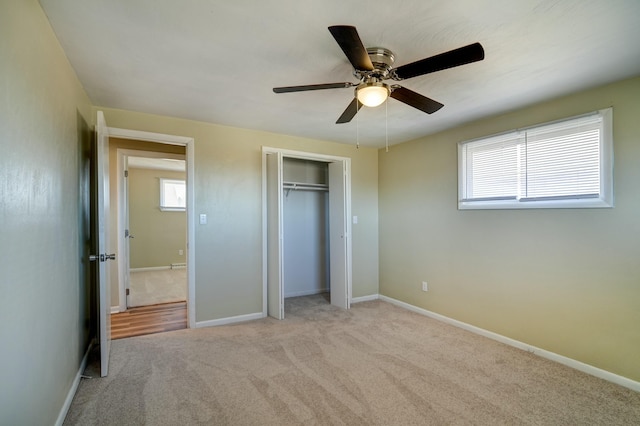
x=492, y=167
x=555, y=163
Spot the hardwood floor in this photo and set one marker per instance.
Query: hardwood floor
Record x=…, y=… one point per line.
x=149, y=320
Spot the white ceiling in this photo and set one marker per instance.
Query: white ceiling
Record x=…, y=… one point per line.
x=217, y=61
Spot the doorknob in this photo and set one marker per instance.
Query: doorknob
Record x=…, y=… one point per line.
x=102, y=257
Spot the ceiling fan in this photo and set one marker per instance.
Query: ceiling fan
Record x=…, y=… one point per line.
x=374, y=65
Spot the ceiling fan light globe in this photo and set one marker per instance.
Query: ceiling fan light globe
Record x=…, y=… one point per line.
x=372, y=95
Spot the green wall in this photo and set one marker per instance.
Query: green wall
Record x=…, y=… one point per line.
x=45, y=294
x=564, y=280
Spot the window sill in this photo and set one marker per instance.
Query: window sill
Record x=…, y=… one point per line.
x=585, y=203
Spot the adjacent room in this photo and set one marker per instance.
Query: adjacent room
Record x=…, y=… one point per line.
x=148, y=220
x=356, y=212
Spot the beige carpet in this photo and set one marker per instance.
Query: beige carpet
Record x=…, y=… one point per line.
x=154, y=287
x=375, y=364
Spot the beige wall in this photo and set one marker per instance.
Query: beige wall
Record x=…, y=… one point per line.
x=44, y=292
x=159, y=235
x=565, y=280
x=228, y=188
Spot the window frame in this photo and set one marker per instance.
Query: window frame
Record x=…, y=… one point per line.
x=604, y=199
x=163, y=206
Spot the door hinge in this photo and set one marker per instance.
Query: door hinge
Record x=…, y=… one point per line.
x=127, y=292
x=126, y=173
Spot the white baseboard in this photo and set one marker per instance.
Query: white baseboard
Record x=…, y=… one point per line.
x=115, y=309
x=305, y=293
x=150, y=268
x=230, y=320
x=365, y=298
x=74, y=387
x=569, y=362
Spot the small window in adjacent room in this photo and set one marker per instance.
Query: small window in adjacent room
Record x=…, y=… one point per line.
x=563, y=164
x=173, y=195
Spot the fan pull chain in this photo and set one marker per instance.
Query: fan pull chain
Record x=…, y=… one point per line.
x=357, y=130
x=386, y=124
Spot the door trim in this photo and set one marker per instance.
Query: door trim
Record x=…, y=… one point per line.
x=189, y=144
x=303, y=155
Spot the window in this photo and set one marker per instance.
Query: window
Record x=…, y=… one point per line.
x=173, y=195
x=564, y=164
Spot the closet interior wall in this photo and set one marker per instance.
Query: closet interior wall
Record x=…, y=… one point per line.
x=305, y=227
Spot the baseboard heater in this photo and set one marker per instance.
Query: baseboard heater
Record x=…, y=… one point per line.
x=178, y=265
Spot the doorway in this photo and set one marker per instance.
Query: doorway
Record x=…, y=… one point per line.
x=152, y=228
x=323, y=232
x=150, y=147
x=305, y=209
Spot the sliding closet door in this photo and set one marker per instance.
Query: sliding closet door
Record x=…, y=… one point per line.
x=338, y=235
x=275, y=281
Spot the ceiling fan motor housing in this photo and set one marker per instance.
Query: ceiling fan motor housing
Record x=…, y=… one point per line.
x=382, y=60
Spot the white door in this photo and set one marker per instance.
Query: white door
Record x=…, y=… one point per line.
x=338, y=236
x=127, y=234
x=275, y=281
x=104, y=284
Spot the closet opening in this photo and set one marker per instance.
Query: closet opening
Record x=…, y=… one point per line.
x=306, y=234
x=305, y=231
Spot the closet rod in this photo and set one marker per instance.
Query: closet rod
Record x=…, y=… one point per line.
x=305, y=186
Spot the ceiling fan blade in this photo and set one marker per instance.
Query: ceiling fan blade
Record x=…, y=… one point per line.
x=350, y=112
x=350, y=43
x=415, y=100
x=312, y=87
x=453, y=58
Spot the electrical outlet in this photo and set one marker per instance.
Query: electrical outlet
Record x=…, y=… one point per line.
x=424, y=286
x=180, y=252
